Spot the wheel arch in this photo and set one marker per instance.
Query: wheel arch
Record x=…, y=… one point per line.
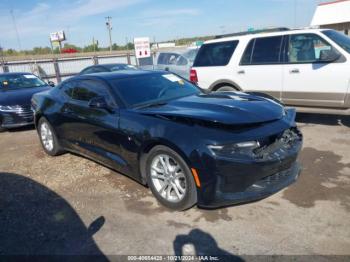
x=224, y=82
x=37, y=117
x=147, y=147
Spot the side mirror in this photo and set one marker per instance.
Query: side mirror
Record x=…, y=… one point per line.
x=50, y=83
x=99, y=102
x=329, y=55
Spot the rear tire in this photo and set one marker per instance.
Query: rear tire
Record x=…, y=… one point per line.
x=48, y=138
x=226, y=89
x=170, y=179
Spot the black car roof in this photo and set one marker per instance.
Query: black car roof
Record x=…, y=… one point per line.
x=109, y=66
x=112, y=64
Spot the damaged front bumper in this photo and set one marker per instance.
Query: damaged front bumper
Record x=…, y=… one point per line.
x=273, y=167
x=258, y=190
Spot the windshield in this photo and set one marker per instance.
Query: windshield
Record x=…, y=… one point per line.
x=154, y=88
x=341, y=39
x=191, y=54
x=15, y=81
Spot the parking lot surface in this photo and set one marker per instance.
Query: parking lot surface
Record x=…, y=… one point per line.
x=71, y=205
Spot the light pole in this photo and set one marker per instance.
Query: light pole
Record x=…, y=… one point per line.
x=16, y=30
x=2, y=55
x=109, y=28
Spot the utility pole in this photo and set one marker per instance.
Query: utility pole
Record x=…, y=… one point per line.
x=51, y=46
x=2, y=55
x=15, y=26
x=109, y=28
x=295, y=14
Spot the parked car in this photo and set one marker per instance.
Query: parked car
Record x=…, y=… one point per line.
x=305, y=68
x=106, y=68
x=178, y=62
x=189, y=147
x=16, y=90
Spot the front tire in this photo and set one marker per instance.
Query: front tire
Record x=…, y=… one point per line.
x=170, y=179
x=48, y=138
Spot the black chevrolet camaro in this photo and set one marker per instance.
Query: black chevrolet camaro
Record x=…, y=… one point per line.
x=188, y=146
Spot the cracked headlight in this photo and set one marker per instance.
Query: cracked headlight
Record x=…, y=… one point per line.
x=236, y=149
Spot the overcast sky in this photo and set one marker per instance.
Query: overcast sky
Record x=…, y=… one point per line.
x=163, y=19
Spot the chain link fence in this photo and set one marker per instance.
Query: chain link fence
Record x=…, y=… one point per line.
x=58, y=69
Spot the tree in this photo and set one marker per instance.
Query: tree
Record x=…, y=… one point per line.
x=10, y=52
x=115, y=47
x=130, y=46
x=39, y=51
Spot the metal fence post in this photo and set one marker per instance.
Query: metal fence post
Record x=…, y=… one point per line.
x=128, y=58
x=57, y=70
x=95, y=60
x=5, y=67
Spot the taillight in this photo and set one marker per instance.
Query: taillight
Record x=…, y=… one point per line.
x=193, y=76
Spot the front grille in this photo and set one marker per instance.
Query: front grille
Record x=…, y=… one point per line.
x=276, y=178
x=19, y=115
x=273, y=178
x=24, y=111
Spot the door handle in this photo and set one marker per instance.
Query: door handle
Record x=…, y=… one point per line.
x=294, y=71
x=241, y=72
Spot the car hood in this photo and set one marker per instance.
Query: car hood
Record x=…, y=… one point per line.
x=230, y=108
x=19, y=96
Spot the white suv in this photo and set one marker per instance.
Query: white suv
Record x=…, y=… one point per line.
x=308, y=68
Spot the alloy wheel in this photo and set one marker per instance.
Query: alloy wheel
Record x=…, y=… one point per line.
x=168, y=178
x=46, y=136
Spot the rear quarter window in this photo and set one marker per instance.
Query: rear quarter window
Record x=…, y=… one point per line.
x=215, y=54
x=263, y=50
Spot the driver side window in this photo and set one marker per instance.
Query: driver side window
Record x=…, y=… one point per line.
x=68, y=89
x=306, y=48
x=85, y=90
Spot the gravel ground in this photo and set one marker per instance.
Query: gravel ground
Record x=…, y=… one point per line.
x=71, y=205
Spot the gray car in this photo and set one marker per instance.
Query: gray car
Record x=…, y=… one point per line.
x=178, y=62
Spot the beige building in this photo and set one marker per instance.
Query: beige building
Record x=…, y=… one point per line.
x=333, y=15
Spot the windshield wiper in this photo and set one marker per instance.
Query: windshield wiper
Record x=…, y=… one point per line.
x=155, y=104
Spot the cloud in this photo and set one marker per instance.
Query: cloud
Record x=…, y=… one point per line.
x=172, y=12
x=44, y=18
x=94, y=7
x=166, y=17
